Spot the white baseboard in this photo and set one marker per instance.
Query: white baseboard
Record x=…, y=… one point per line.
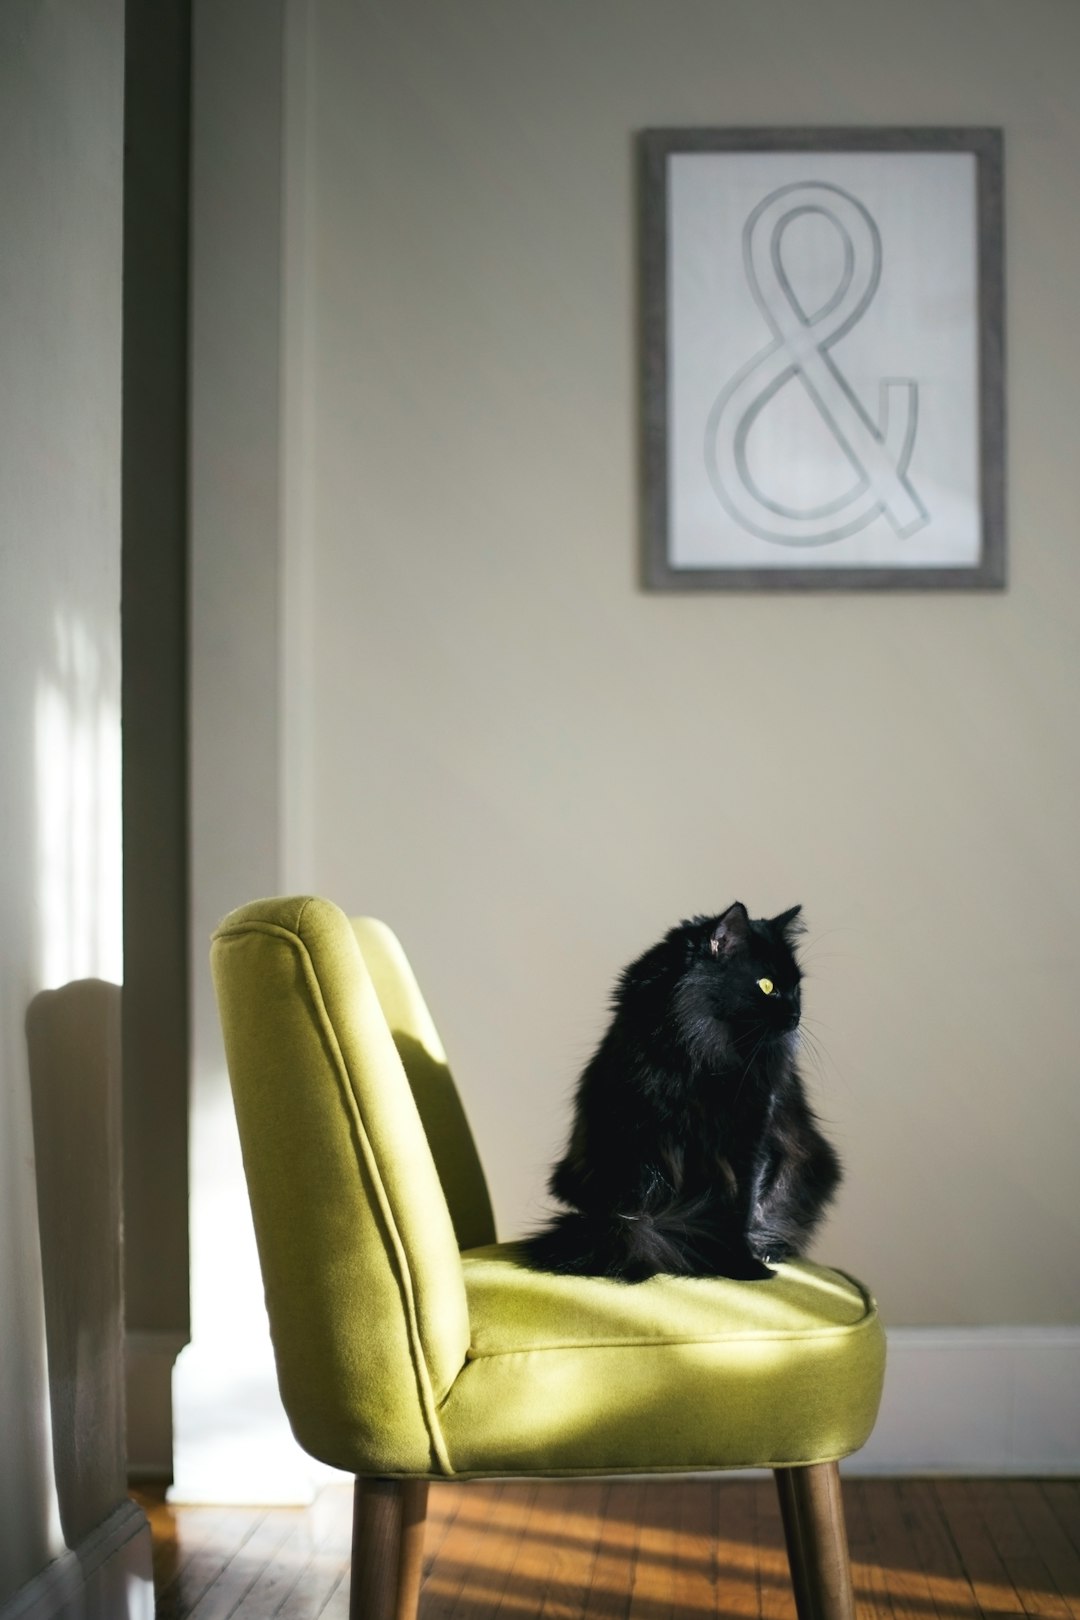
x=108, y=1576
x=977, y=1400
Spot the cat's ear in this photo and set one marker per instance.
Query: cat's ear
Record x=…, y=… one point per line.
x=789, y=923
x=731, y=932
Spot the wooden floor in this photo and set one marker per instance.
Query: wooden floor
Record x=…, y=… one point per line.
x=633, y=1550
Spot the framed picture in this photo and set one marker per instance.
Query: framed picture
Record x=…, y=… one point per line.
x=823, y=358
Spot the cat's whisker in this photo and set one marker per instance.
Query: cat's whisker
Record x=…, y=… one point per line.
x=816, y=1042
x=814, y=1049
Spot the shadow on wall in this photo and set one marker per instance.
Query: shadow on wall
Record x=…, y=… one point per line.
x=450, y=1139
x=73, y=1040
x=29, y=1519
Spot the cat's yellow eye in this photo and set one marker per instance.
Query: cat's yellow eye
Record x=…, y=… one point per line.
x=766, y=986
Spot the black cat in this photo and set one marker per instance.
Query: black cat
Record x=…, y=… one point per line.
x=693, y=1148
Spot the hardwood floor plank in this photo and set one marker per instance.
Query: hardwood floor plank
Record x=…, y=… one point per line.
x=221, y=1600
x=179, y=1533
x=1063, y=1496
x=613, y=1570
x=872, y=1601
x=307, y=1598
x=552, y=1525
x=273, y=1584
x=163, y=1531
x=308, y=1564
x=500, y=1560
x=912, y=1594
x=736, y=1552
x=337, y=1604
x=695, y=1568
x=575, y=1552
x=652, y=1596
x=638, y=1549
x=206, y=1542
x=481, y=1510
x=994, y=1591
x=1021, y=1558
x=1042, y=1529
x=443, y=1504
x=934, y=1548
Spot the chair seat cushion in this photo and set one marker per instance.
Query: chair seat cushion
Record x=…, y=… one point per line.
x=572, y=1375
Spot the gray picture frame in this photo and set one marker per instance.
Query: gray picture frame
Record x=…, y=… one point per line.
x=655, y=148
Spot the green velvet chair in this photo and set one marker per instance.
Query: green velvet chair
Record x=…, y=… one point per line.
x=410, y=1346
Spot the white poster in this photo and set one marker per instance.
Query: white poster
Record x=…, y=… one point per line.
x=823, y=333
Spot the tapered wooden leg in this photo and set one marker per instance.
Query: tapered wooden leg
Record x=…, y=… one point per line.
x=813, y=1513
x=793, y=1539
x=387, y=1548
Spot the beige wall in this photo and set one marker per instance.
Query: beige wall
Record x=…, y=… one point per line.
x=531, y=767
x=61, y=1391
x=231, y=1439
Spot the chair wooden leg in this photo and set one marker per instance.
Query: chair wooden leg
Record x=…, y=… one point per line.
x=813, y=1513
x=387, y=1548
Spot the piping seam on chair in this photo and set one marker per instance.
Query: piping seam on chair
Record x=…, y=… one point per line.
x=640, y=1345
x=428, y=1405
x=778, y=1335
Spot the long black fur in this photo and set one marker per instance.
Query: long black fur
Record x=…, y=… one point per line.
x=693, y=1148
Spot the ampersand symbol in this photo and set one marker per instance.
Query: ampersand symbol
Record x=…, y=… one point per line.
x=879, y=454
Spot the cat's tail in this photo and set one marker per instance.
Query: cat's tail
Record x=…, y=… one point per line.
x=679, y=1240
x=578, y=1245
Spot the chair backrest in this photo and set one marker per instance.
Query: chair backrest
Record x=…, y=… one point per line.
x=358, y=1253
